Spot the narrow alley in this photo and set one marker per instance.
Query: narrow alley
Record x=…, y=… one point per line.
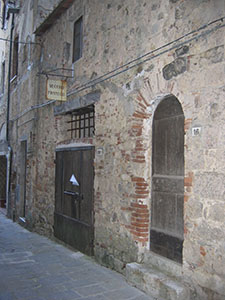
x=33, y=267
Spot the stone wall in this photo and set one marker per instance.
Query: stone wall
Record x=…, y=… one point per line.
x=185, y=59
x=3, y=91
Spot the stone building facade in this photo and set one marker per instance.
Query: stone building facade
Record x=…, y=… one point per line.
x=141, y=131
x=4, y=151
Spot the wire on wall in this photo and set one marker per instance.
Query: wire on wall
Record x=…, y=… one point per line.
x=127, y=66
x=19, y=42
x=138, y=61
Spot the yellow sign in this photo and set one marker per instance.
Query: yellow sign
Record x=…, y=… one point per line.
x=56, y=90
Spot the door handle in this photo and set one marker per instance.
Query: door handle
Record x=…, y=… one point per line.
x=76, y=195
x=71, y=193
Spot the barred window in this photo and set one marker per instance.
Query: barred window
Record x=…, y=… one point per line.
x=82, y=122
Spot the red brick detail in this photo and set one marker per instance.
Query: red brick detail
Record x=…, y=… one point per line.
x=139, y=147
x=186, y=198
x=138, y=211
x=139, y=214
x=188, y=180
x=141, y=115
x=142, y=184
x=137, y=179
x=143, y=241
x=142, y=100
x=142, y=192
x=142, y=106
x=137, y=205
x=140, y=161
x=187, y=123
x=141, y=188
x=202, y=251
x=136, y=128
x=139, y=226
x=185, y=230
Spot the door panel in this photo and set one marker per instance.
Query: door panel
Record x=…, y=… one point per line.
x=23, y=178
x=3, y=174
x=74, y=203
x=166, y=235
x=87, y=180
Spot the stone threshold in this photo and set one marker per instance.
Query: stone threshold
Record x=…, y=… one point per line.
x=158, y=277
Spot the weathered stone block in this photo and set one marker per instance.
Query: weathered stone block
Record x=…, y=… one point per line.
x=178, y=66
x=210, y=185
x=214, y=55
x=156, y=284
x=181, y=51
x=216, y=212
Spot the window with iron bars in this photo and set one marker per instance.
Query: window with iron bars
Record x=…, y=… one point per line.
x=82, y=123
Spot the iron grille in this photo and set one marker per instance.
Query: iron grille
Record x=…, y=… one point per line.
x=82, y=123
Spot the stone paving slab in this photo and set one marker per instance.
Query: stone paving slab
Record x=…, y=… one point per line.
x=33, y=267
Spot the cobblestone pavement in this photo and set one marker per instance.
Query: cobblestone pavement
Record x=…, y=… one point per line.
x=33, y=267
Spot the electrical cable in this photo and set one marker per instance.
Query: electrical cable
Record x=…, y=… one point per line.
x=93, y=82
x=32, y=108
x=88, y=85
x=105, y=77
x=18, y=42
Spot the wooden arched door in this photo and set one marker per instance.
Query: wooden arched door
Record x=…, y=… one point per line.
x=166, y=234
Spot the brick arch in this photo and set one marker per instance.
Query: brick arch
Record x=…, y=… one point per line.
x=139, y=207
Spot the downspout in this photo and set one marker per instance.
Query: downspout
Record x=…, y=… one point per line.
x=9, y=155
x=9, y=78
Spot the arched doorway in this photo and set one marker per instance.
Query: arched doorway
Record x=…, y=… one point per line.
x=166, y=234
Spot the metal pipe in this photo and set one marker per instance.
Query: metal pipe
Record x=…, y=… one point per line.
x=9, y=78
x=9, y=155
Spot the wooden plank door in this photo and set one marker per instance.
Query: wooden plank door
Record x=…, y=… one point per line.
x=166, y=236
x=3, y=174
x=23, y=178
x=73, y=222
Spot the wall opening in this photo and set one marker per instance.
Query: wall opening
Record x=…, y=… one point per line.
x=15, y=57
x=74, y=215
x=166, y=234
x=3, y=174
x=23, y=175
x=82, y=123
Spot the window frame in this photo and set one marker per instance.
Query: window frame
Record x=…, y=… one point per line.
x=2, y=78
x=77, y=39
x=82, y=123
x=15, y=62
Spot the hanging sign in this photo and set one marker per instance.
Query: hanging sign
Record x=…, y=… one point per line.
x=56, y=90
x=73, y=180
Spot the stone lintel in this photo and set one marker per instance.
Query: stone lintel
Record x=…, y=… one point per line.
x=76, y=103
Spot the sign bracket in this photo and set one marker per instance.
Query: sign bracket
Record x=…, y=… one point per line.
x=51, y=72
